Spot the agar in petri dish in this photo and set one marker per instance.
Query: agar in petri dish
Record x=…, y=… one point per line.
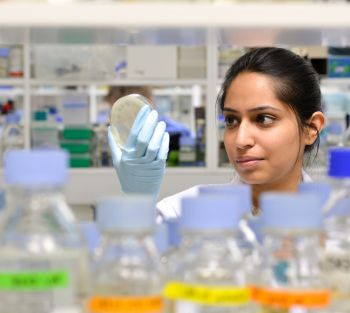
x=123, y=114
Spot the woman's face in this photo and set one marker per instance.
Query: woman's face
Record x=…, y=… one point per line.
x=262, y=137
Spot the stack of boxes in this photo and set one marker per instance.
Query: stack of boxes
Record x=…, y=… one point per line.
x=79, y=142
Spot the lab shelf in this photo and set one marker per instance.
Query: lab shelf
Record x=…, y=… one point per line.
x=85, y=186
x=11, y=81
x=119, y=82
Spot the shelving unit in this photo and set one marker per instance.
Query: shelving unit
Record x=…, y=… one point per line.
x=156, y=23
x=180, y=15
x=11, y=82
x=120, y=82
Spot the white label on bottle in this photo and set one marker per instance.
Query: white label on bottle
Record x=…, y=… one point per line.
x=186, y=307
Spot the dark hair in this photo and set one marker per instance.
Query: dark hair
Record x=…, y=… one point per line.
x=296, y=81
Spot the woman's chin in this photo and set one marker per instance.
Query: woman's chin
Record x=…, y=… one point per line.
x=253, y=178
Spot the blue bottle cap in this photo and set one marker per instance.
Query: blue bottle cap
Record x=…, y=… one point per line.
x=135, y=213
x=339, y=162
x=210, y=213
x=290, y=211
x=243, y=191
x=321, y=189
x=36, y=167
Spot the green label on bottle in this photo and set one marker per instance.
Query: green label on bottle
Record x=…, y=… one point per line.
x=34, y=281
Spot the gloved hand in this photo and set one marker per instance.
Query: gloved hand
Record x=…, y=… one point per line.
x=141, y=165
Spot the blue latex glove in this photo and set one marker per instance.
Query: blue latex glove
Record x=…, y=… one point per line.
x=141, y=165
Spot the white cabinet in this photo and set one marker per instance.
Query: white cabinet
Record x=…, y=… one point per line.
x=207, y=24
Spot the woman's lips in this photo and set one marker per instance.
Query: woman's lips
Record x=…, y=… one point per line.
x=248, y=162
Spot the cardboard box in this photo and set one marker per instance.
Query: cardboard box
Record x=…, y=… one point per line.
x=158, y=62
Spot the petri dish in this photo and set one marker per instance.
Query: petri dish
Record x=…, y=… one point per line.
x=123, y=114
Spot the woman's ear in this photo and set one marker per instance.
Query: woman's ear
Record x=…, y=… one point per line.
x=316, y=124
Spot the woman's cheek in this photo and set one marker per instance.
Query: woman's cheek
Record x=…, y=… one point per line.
x=229, y=146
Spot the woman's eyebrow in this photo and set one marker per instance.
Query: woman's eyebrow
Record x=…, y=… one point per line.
x=261, y=108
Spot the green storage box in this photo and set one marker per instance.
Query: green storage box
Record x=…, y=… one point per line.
x=80, y=160
x=77, y=133
x=76, y=146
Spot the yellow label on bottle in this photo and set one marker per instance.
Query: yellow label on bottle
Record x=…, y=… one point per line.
x=103, y=304
x=285, y=299
x=207, y=295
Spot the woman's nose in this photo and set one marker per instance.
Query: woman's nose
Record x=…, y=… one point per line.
x=244, y=137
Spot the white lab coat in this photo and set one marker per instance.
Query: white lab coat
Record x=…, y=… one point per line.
x=170, y=207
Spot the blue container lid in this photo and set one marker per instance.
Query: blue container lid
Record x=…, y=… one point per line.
x=135, y=213
x=210, y=213
x=12, y=118
x=36, y=167
x=244, y=193
x=339, y=162
x=321, y=189
x=291, y=211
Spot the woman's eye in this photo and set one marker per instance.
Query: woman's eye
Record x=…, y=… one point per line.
x=230, y=121
x=264, y=119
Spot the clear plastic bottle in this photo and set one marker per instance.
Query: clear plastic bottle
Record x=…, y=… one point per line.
x=336, y=261
x=339, y=178
x=43, y=264
x=127, y=273
x=207, y=274
x=320, y=188
x=246, y=238
x=290, y=278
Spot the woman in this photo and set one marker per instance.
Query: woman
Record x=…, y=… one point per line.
x=271, y=102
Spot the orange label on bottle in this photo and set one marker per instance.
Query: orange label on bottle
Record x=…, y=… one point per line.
x=285, y=299
x=102, y=304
